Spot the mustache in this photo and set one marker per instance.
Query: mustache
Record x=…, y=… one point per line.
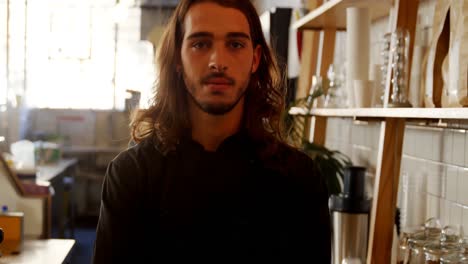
x=215, y=75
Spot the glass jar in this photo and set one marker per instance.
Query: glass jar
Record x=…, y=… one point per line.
x=404, y=249
x=416, y=247
x=434, y=251
x=464, y=246
x=454, y=259
x=433, y=228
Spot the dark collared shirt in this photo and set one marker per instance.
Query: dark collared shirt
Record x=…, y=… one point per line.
x=223, y=206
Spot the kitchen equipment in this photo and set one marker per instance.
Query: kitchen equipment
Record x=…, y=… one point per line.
x=350, y=213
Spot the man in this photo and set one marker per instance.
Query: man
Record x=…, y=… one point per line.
x=210, y=178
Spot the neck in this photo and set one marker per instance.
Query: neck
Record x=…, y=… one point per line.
x=211, y=130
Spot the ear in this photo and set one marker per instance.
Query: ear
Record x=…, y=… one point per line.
x=257, y=54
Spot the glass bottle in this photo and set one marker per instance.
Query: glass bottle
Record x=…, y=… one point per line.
x=384, y=51
x=400, y=51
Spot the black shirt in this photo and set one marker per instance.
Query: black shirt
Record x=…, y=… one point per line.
x=223, y=206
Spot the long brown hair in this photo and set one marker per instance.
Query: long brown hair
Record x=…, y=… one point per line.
x=167, y=118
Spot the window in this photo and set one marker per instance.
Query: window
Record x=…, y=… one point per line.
x=3, y=50
x=71, y=54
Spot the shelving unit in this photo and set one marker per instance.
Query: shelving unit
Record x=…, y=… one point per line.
x=332, y=14
x=382, y=113
x=329, y=18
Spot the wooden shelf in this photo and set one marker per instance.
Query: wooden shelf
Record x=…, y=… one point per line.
x=332, y=14
x=407, y=113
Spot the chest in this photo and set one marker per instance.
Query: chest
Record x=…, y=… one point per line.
x=217, y=190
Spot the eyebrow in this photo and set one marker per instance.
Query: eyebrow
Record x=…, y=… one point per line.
x=210, y=35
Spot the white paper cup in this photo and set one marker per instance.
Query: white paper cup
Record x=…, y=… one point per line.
x=363, y=93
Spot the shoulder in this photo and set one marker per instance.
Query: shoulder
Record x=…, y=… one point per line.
x=138, y=157
x=297, y=166
x=293, y=157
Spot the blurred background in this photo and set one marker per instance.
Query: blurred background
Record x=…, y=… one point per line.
x=71, y=71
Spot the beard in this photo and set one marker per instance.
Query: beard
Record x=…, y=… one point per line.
x=211, y=108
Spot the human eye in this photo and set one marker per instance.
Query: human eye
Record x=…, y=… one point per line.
x=236, y=44
x=200, y=44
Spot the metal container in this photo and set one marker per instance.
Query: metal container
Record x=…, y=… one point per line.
x=350, y=212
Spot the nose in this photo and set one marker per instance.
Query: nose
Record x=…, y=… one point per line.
x=218, y=61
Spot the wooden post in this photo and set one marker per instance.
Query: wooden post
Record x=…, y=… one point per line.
x=391, y=141
x=309, y=56
x=382, y=218
x=319, y=124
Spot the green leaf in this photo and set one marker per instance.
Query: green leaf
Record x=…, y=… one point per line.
x=331, y=163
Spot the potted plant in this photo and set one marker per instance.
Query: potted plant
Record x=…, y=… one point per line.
x=331, y=163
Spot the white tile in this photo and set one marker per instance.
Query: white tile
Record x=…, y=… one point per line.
x=355, y=135
x=458, y=151
x=432, y=206
x=466, y=151
x=447, y=145
x=445, y=212
x=346, y=149
x=456, y=214
x=465, y=220
x=336, y=134
x=451, y=186
x=437, y=150
x=408, y=142
x=462, y=188
x=415, y=208
x=332, y=129
x=435, y=179
x=423, y=147
x=375, y=135
x=404, y=165
x=347, y=125
x=362, y=134
x=443, y=181
x=373, y=159
x=429, y=210
x=415, y=165
x=368, y=140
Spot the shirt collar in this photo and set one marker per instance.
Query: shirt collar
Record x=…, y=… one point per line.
x=237, y=141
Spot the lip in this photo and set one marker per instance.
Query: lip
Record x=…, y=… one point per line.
x=219, y=81
x=218, y=86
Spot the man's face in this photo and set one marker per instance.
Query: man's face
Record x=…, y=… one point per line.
x=218, y=57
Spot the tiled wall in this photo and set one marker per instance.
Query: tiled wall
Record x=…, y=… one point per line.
x=434, y=168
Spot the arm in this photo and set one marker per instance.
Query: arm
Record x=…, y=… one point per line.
x=322, y=214
x=313, y=231
x=117, y=232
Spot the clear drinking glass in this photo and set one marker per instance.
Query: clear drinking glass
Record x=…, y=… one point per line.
x=335, y=97
x=400, y=51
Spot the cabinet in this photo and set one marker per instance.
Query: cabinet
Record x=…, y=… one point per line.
x=328, y=18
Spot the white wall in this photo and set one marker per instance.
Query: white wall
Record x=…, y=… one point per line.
x=33, y=208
